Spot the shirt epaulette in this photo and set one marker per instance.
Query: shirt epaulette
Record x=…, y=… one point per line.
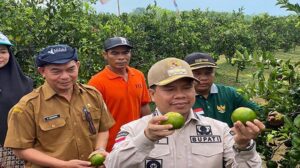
x=87, y=87
x=33, y=94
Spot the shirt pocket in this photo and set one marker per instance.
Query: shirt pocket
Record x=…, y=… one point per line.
x=55, y=128
x=160, y=151
x=95, y=115
x=207, y=154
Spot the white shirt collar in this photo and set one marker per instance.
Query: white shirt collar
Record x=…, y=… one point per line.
x=213, y=88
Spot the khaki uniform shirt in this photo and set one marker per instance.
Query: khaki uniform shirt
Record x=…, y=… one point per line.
x=202, y=142
x=49, y=123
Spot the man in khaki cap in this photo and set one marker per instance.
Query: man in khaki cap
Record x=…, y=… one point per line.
x=201, y=142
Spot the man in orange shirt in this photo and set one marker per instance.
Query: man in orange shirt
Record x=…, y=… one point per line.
x=123, y=88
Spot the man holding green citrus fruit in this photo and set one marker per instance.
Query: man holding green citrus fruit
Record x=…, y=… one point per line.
x=174, y=136
x=62, y=122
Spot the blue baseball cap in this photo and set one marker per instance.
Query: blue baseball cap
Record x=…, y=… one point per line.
x=115, y=42
x=4, y=40
x=198, y=60
x=56, y=54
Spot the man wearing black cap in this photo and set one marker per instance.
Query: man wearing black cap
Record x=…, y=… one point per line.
x=123, y=88
x=214, y=100
x=62, y=122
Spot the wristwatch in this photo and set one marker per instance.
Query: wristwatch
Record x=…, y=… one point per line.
x=248, y=148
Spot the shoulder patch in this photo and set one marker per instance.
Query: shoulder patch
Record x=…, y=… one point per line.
x=17, y=109
x=121, y=136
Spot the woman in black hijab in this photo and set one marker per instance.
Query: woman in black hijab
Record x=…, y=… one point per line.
x=13, y=85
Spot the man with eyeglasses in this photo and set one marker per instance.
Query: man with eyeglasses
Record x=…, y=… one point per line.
x=124, y=88
x=62, y=122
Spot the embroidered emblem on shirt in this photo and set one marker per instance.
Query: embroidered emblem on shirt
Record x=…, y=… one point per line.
x=52, y=117
x=153, y=163
x=163, y=141
x=221, y=108
x=203, y=130
x=198, y=110
x=121, y=136
x=17, y=110
x=206, y=139
x=204, y=135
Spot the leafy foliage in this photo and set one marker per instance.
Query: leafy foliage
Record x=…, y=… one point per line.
x=156, y=33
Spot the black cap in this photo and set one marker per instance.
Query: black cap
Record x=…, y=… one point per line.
x=200, y=60
x=56, y=54
x=115, y=42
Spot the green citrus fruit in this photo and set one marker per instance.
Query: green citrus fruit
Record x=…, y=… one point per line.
x=243, y=114
x=297, y=121
x=174, y=118
x=97, y=159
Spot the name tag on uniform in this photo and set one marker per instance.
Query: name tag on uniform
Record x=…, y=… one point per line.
x=205, y=135
x=163, y=141
x=52, y=117
x=206, y=139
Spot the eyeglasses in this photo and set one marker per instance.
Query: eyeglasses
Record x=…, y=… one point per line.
x=89, y=119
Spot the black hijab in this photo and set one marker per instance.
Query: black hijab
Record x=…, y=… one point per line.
x=13, y=85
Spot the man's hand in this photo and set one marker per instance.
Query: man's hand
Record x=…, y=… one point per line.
x=102, y=152
x=77, y=164
x=154, y=131
x=244, y=133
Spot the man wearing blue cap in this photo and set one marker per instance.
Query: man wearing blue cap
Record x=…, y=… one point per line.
x=62, y=122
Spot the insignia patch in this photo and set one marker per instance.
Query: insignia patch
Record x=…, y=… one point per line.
x=203, y=130
x=153, y=163
x=17, y=110
x=221, y=108
x=198, y=110
x=52, y=117
x=163, y=141
x=206, y=139
x=121, y=136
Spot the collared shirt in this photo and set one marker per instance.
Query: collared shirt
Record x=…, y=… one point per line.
x=221, y=102
x=47, y=122
x=124, y=99
x=201, y=142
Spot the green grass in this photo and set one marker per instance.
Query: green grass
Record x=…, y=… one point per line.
x=226, y=73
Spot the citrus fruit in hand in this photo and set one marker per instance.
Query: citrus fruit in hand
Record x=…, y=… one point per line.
x=174, y=118
x=243, y=114
x=97, y=159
